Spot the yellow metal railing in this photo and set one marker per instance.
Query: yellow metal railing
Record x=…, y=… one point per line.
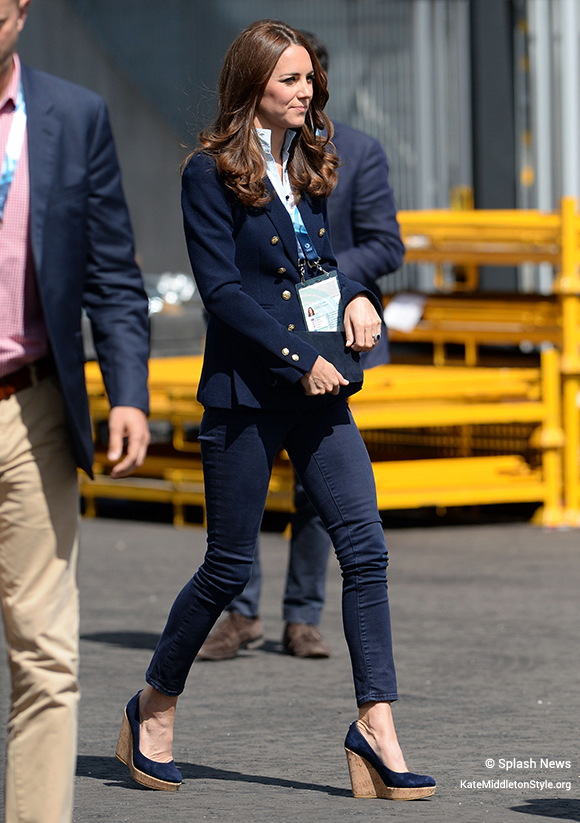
x=411, y=397
x=482, y=237
x=394, y=397
x=428, y=401
x=567, y=287
x=476, y=319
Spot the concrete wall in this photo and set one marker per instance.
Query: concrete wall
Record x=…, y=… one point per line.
x=56, y=39
x=398, y=70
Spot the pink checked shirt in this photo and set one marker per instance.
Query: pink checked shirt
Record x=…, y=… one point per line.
x=23, y=337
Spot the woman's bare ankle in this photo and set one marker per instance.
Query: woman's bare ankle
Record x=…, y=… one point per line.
x=153, y=702
x=375, y=722
x=157, y=716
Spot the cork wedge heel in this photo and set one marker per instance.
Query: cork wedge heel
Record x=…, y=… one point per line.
x=164, y=777
x=370, y=777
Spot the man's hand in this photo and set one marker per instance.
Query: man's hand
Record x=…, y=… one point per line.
x=129, y=422
x=323, y=378
x=362, y=324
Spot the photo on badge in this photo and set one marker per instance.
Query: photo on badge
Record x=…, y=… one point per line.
x=321, y=303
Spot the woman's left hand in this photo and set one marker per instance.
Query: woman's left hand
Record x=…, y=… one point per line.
x=362, y=324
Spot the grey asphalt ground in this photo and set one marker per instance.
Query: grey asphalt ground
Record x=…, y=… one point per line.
x=485, y=625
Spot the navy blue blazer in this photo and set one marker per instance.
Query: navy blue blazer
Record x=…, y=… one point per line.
x=83, y=249
x=363, y=218
x=245, y=263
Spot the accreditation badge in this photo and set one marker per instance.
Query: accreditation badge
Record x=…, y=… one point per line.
x=321, y=303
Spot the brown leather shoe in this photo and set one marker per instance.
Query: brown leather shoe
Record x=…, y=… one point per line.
x=235, y=632
x=304, y=640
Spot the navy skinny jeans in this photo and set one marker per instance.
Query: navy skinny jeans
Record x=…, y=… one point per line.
x=306, y=575
x=238, y=448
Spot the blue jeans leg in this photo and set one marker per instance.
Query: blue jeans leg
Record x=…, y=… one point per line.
x=306, y=577
x=333, y=464
x=238, y=449
x=248, y=602
x=237, y=463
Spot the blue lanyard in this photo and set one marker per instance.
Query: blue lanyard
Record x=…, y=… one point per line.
x=13, y=148
x=305, y=246
x=306, y=251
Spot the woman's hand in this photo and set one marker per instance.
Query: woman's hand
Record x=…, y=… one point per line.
x=362, y=324
x=323, y=378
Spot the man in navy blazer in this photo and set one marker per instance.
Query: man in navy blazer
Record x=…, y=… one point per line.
x=65, y=244
x=362, y=212
x=367, y=243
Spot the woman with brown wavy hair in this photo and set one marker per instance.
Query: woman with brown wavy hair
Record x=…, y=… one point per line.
x=255, y=223
x=232, y=138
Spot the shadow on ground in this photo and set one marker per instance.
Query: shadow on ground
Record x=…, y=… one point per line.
x=128, y=640
x=557, y=808
x=110, y=769
x=149, y=640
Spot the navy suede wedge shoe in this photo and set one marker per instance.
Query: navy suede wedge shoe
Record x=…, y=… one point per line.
x=163, y=776
x=370, y=777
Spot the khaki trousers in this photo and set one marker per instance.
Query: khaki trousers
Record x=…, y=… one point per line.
x=38, y=593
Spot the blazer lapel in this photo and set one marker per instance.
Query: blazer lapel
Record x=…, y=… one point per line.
x=282, y=223
x=43, y=131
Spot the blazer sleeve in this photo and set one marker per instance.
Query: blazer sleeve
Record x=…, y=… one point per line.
x=114, y=297
x=378, y=248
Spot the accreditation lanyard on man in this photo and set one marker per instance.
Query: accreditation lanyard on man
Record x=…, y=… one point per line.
x=13, y=149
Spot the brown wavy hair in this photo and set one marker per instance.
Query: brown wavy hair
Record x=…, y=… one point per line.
x=232, y=138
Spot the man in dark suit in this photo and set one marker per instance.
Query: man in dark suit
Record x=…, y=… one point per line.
x=65, y=243
x=367, y=243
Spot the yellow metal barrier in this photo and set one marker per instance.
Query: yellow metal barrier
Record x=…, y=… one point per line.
x=538, y=406
x=510, y=238
x=482, y=237
x=404, y=397
x=394, y=397
x=567, y=286
x=173, y=477
x=476, y=319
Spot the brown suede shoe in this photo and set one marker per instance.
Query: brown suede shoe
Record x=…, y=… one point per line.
x=235, y=632
x=304, y=640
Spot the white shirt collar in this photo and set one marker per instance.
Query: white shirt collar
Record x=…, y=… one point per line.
x=265, y=136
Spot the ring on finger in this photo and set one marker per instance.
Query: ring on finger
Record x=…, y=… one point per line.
x=376, y=337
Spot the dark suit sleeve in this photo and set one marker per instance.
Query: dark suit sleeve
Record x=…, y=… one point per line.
x=114, y=297
x=378, y=248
